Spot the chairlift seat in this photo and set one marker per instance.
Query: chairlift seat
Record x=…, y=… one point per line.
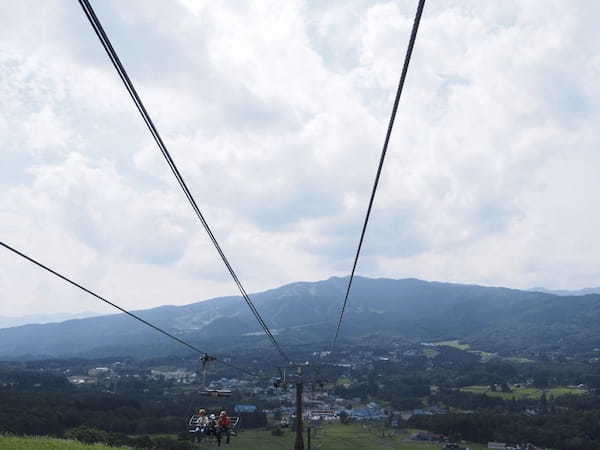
x=216, y=393
x=194, y=424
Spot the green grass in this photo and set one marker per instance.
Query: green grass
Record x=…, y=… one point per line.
x=476, y=389
x=518, y=360
x=334, y=437
x=343, y=381
x=565, y=390
x=455, y=344
x=524, y=393
x=430, y=353
x=45, y=443
x=330, y=437
x=485, y=356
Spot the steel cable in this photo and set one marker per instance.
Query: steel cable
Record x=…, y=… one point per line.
x=123, y=310
x=102, y=36
x=407, y=58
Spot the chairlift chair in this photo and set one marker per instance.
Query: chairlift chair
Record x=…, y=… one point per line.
x=200, y=431
x=216, y=393
x=205, y=392
x=281, y=382
x=194, y=423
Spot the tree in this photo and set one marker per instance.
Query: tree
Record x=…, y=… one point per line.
x=543, y=402
x=541, y=380
x=344, y=418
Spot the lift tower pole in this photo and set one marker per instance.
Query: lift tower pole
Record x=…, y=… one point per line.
x=298, y=381
x=299, y=445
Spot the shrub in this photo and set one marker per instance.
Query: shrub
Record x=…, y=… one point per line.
x=87, y=435
x=165, y=443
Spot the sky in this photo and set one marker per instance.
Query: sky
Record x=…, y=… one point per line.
x=275, y=113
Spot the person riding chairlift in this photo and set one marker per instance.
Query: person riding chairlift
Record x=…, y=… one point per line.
x=223, y=427
x=211, y=426
x=201, y=421
x=202, y=418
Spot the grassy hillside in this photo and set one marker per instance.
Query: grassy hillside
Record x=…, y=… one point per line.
x=331, y=437
x=44, y=443
x=525, y=392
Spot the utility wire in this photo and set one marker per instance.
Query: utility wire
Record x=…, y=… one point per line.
x=114, y=305
x=99, y=30
x=409, y=51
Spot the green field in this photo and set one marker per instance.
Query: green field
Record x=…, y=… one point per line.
x=485, y=356
x=455, y=344
x=44, y=443
x=330, y=437
x=430, y=353
x=525, y=392
x=342, y=381
x=518, y=360
x=334, y=437
x=565, y=390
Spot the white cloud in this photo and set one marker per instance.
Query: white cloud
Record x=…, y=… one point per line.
x=276, y=114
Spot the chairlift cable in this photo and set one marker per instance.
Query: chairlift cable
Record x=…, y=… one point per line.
x=407, y=58
x=102, y=36
x=129, y=313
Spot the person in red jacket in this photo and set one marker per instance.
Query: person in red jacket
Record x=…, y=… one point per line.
x=223, y=427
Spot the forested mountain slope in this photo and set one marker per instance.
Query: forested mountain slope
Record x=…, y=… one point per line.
x=494, y=319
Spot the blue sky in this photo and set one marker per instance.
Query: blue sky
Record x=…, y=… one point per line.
x=276, y=113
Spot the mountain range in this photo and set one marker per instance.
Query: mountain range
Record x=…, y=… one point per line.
x=584, y=291
x=503, y=320
x=7, y=322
